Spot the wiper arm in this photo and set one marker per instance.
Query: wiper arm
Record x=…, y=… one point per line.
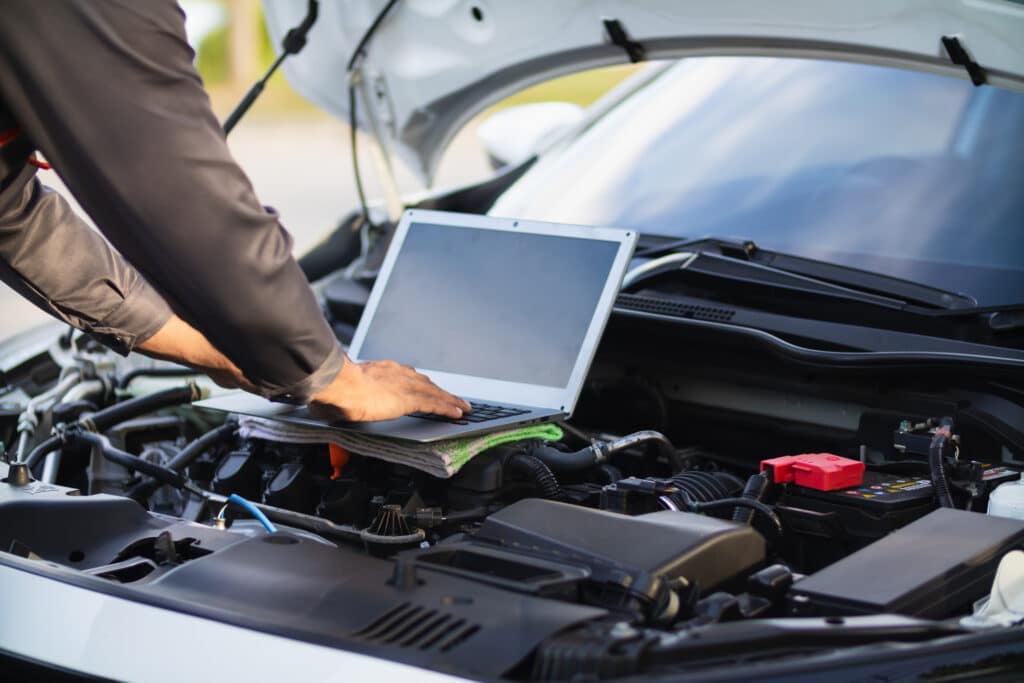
x=746, y=262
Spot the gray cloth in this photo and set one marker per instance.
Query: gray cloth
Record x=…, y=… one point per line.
x=108, y=93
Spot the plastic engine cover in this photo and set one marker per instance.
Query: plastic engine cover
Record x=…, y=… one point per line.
x=667, y=544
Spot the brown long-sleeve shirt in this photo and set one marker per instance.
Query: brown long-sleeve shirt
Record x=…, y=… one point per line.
x=107, y=91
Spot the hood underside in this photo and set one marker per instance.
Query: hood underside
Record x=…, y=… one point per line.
x=433, y=64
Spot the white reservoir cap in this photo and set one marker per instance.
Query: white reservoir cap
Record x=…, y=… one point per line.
x=1008, y=500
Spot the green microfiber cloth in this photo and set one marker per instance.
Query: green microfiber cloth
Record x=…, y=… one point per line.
x=462, y=450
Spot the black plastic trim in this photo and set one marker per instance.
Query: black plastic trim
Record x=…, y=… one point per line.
x=1001, y=365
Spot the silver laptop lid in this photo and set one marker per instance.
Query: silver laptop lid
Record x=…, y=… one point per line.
x=494, y=308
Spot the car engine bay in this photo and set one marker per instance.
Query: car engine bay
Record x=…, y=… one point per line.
x=706, y=504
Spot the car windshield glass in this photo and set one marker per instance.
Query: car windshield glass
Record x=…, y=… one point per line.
x=911, y=174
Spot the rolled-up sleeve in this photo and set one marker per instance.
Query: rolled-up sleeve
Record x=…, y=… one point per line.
x=108, y=92
x=53, y=258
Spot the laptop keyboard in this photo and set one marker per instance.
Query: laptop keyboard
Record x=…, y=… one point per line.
x=482, y=412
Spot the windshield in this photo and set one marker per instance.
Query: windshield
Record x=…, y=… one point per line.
x=910, y=174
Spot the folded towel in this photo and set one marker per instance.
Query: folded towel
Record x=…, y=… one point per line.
x=440, y=458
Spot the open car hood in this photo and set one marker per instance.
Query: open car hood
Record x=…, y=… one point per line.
x=433, y=64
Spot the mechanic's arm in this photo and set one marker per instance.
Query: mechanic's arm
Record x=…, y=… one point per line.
x=372, y=390
x=107, y=91
x=49, y=255
x=52, y=257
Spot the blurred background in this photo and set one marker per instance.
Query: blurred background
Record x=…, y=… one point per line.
x=296, y=155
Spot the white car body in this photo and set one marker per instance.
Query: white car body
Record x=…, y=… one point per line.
x=431, y=66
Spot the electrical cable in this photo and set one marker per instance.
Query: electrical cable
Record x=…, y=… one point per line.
x=369, y=34
x=125, y=459
x=143, y=490
x=104, y=419
x=755, y=489
x=202, y=444
x=251, y=509
x=357, y=56
x=42, y=449
x=175, y=479
x=756, y=505
x=353, y=142
x=937, y=462
x=167, y=476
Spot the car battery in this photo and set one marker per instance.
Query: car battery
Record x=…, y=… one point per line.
x=883, y=494
x=878, y=494
x=823, y=526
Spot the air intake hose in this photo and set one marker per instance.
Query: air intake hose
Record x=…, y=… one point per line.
x=702, y=487
x=705, y=491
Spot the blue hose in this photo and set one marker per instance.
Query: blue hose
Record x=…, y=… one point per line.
x=254, y=511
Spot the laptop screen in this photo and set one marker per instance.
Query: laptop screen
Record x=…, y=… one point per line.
x=490, y=303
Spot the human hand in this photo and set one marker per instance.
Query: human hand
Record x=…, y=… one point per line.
x=383, y=390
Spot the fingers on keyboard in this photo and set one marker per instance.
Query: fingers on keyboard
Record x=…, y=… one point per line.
x=482, y=412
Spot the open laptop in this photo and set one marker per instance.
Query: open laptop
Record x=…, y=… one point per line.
x=505, y=313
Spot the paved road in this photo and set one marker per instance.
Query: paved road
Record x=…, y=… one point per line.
x=303, y=169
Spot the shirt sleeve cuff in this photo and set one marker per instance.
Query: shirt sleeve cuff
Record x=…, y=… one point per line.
x=304, y=391
x=141, y=315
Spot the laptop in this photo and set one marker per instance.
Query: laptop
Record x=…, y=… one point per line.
x=505, y=313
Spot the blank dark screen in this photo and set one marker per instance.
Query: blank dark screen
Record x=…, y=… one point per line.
x=487, y=303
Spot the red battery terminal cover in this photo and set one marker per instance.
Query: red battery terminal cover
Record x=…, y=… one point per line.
x=819, y=471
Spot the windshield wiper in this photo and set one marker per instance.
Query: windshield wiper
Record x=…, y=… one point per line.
x=745, y=262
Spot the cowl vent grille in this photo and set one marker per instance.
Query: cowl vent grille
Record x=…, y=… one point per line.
x=415, y=627
x=675, y=309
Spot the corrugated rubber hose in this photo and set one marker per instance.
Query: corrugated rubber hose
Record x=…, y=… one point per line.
x=937, y=462
x=539, y=473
